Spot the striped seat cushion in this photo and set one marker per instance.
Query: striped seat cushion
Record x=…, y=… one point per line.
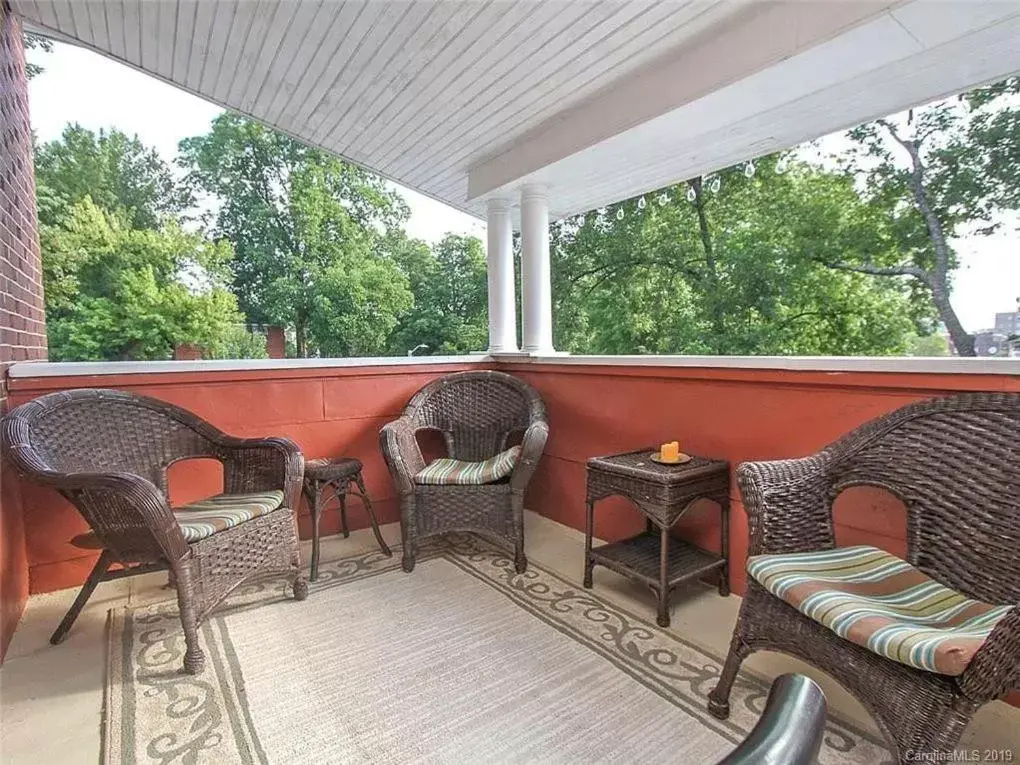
x=881, y=602
x=445, y=471
x=207, y=516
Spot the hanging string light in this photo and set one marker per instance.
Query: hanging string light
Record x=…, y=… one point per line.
x=580, y=221
x=782, y=165
x=712, y=183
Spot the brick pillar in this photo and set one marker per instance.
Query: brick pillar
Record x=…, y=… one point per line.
x=276, y=343
x=187, y=352
x=22, y=317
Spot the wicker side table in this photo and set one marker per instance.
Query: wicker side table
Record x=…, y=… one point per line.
x=330, y=478
x=663, y=493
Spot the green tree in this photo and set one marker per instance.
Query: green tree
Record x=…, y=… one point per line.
x=927, y=345
x=114, y=292
x=941, y=171
x=237, y=342
x=727, y=265
x=309, y=232
x=32, y=42
x=115, y=171
x=449, y=284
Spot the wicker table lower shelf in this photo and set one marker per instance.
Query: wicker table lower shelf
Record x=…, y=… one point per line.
x=639, y=557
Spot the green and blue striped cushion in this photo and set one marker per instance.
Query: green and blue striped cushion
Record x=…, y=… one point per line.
x=446, y=471
x=206, y=517
x=878, y=601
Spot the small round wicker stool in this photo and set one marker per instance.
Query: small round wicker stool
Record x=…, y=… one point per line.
x=330, y=478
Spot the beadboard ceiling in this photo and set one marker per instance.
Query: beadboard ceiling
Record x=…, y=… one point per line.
x=467, y=99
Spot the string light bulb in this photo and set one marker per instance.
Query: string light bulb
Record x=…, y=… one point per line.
x=691, y=194
x=641, y=204
x=619, y=214
x=580, y=221
x=715, y=185
x=663, y=199
x=782, y=165
x=749, y=170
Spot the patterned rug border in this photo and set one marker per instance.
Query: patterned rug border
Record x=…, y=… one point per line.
x=627, y=640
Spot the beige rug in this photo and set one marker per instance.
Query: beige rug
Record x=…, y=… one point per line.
x=462, y=661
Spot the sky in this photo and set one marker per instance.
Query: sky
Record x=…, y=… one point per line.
x=84, y=87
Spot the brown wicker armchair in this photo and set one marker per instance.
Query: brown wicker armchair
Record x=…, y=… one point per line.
x=955, y=464
x=477, y=413
x=108, y=451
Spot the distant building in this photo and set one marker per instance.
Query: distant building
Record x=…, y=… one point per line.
x=991, y=343
x=1007, y=323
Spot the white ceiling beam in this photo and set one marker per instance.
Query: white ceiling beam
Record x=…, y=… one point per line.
x=763, y=35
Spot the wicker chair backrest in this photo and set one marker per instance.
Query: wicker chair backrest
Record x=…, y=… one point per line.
x=476, y=412
x=955, y=464
x=104, y=431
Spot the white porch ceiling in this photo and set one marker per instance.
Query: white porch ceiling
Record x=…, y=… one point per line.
x=465, y=99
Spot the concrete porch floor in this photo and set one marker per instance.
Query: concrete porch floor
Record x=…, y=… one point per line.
x=51, y=697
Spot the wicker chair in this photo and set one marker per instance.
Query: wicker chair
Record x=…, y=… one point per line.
x=955, y=464
x=477, y=413
x=108, y=451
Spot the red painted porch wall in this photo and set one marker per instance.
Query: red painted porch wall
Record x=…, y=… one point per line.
x=325, y=411
x=737, y=415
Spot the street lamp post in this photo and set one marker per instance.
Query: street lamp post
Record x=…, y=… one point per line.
x=418, y=347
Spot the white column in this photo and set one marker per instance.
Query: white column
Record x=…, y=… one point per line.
x=536, y=284
x=502, y=294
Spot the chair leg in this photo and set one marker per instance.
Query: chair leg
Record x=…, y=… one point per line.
x=520, y=559
x=517, y=509
x=371, y=516
x=342, y=496
x=98, y=572
x=937, y=730
x=194, y=657
x=719, y=697
x=315, y=506
x=407, y=535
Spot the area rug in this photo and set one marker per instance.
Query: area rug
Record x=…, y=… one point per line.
x=462, y=661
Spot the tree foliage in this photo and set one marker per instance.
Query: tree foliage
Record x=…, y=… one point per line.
x=726, y=265
x=308, y=230
x=115, y=292
x=793, y=258
x=942, y=171
x=449, y=284
x=33, y=42
x=115, y=171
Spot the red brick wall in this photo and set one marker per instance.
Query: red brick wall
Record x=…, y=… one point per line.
x=22, y=318
x=276, y=343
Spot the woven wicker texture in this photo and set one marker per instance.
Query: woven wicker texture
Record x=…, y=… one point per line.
x=108, y=452
x=955, y=463
x=478, y=413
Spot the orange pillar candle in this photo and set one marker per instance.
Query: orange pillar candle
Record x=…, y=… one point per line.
x=670, y=452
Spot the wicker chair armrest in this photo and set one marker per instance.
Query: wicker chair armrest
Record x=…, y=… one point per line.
x=995, y=668
x=402, y=453
x=788, y=504
x=262, y=464
x=532, y=446
x=123, y=507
